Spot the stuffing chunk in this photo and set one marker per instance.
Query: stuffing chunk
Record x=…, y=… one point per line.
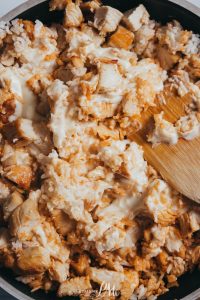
x=122, y=38
x=74, y=286
x=135, y=18
x=106, y=19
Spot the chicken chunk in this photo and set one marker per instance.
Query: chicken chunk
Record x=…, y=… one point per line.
x=25, y=217
x=93, y=33
x=90, y=6
x=34, y=260
x=189, y=223
x=143, y=36
x=59, y=271
x=125, y=158
x=82, y=264
x=4, y=238
x=162, y=204
x=62, y=222
x=74, y=286
x=192, y=66
x=106, y=277
x=99, y=106
x=164, y=131
x=173, y=241
x=130, y=105
x=58, y=4
x=130, y=284
x=166, y=59
x=35, y=281
x=135, y=18
x=173, y=36
x=24, y=132
x=12, y=203
x=17, y=166
x=73, y=15
x=10, y=107
x=188, y=127
x=4, y=192
x=106, y=19
x=20, y=129
x=21, y=175
x=110, y=79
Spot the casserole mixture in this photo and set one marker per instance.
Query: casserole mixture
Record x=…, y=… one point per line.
x=79, y=205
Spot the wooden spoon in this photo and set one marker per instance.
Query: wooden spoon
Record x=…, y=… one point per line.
x=178, y=164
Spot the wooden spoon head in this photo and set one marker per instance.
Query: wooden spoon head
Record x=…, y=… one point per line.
x=178, y=164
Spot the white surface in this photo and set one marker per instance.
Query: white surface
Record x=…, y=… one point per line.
x=7, y=5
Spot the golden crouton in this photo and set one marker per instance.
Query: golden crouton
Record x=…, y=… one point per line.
x=122, y=38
